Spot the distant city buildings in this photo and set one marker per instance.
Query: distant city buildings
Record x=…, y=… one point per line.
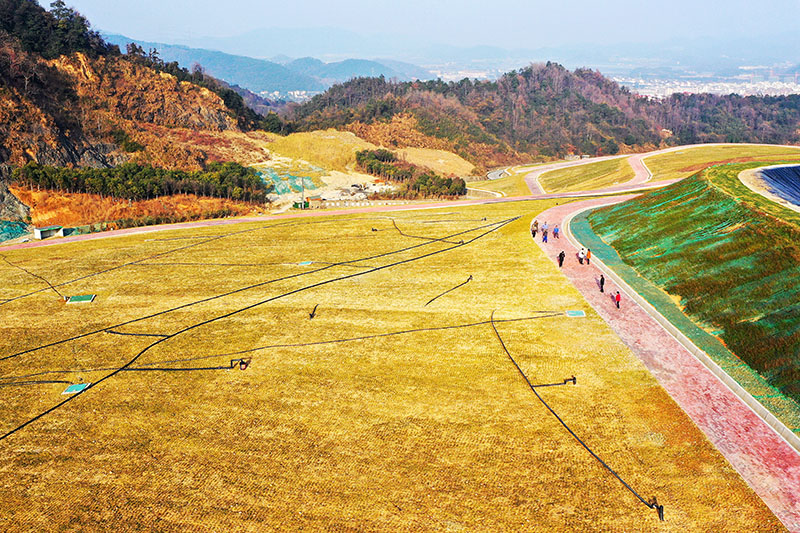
x=289, y=96
x=756, y=86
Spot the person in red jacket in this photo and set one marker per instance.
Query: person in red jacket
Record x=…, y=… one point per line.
x=617, y=298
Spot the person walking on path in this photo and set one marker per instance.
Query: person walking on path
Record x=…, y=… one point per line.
x=544, y=234
x=588, y=256
x=534, y=228
x=555, y=232
x=602, y=282
x=617, y=298
x=561, y=257
x=581, y=255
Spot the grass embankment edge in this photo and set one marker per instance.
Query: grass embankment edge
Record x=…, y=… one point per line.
x=578, y=231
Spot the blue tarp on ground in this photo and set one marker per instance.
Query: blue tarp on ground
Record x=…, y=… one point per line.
x=12, y=230
x=77, y=387
x=286, y=183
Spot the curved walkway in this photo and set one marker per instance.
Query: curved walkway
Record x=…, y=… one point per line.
x=766, y=462
x=642, y=174
x=769, y=465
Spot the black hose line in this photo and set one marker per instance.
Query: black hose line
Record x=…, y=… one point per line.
x=494, y=227
x=111, y=331
x=253, y=286
x=544, y=314
x=208, y=239
x=37, y=276
x=448, y=291
x=652, y=505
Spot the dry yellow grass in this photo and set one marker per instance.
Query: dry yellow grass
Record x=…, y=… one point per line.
x=336, y=150
x=684, y=163
x=440, y=161
x=328, y=149
x=591, y=176
x=429, y=430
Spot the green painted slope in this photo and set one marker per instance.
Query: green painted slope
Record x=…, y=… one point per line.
x=735, y=267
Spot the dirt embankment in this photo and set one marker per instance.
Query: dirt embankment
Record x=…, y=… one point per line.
x=77, y=209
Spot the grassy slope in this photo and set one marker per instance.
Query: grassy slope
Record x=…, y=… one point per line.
x=511, y=185
x=427, y=431
x=684, y=163
x=733, y=264
x=440, y=161
x=329, y=149
x=335, y=150
x=587, y=177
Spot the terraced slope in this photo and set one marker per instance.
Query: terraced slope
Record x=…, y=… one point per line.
x=729, y=256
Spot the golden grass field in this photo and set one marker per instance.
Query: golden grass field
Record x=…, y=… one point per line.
x=328, y=149
x=440, y=161
x=511, y=185
x=684, y=163
x=426, y=430
x=587, y=177
x=336, y=150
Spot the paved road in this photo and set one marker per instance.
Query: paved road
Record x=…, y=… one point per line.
x=321, y=212
x=642, y=174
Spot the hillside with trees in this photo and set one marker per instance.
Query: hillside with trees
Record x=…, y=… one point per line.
x=68, y=98
x=542, y=111
x=415, y=182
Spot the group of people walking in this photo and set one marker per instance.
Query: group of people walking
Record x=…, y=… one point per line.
x=545, y=230
x=585, y=254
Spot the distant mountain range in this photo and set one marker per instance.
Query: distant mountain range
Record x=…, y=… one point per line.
x=266, y=77
x=706, y=55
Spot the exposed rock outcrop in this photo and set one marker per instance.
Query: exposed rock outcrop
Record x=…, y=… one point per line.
x=10, y=206
x=67, y=111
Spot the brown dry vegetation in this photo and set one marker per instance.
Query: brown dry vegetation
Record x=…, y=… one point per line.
x=400, y=132
x=427, y=430
x=185, y=149
x=75, y=105
x=403, y=131
x=77, y=209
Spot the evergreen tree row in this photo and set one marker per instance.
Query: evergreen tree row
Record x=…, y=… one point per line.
x=416, y=182
x=138, y=182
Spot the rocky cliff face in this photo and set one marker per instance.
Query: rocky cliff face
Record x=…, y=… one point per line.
x=68, y=111
x=10, y=206
x=113, y=86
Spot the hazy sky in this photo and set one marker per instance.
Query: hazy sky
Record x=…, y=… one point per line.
x=505, y=23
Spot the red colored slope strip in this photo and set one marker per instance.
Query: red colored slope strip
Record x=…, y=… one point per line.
x=766, y=462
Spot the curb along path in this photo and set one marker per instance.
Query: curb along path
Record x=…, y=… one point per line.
x=769, y=465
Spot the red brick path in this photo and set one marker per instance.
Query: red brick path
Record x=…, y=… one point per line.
x=769, y=465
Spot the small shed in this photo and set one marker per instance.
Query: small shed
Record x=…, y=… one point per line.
x=47, y=232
